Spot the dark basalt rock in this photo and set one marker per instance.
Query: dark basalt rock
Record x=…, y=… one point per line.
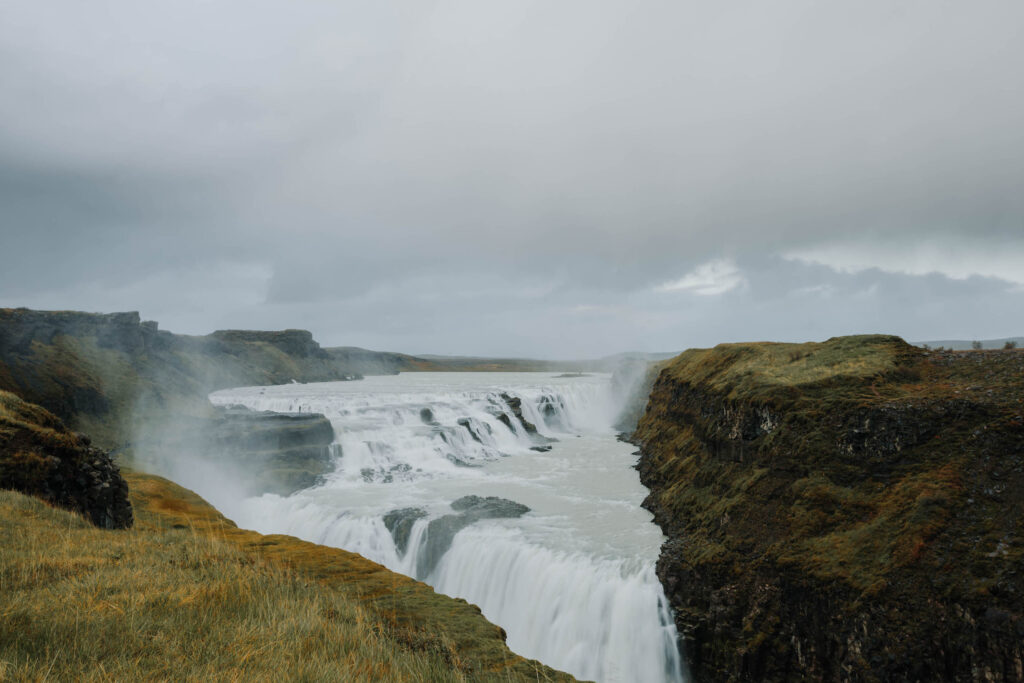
x=442, y=530
x=849, y=510
x=516, y=405
x=262, y=451
x=400, y=522
x=489, y=507
x=40, y=457
x=474, y=427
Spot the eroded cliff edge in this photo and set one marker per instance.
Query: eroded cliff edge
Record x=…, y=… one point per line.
x=846, y=510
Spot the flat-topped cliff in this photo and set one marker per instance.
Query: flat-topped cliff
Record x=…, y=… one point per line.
x=846, y=510
x=107, y=374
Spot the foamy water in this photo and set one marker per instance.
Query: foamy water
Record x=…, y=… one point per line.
x=572, y=581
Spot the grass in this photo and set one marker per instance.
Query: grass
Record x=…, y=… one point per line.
x=185, y=595
x=745, y=369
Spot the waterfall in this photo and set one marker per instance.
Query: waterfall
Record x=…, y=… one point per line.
x=507, y=490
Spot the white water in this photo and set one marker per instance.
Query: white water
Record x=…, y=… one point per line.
x=572, y=582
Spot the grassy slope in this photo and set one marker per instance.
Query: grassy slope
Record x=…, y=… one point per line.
x=187, y=595
x=860, y=467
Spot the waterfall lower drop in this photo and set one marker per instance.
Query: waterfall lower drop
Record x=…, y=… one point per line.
x=506, y=489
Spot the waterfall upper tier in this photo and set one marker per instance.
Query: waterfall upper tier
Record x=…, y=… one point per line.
x=506, y=489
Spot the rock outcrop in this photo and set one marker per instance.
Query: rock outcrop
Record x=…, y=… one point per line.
x=40, y=457
x=113, y=375
x=259, y=451
x=849, y=510
x=441, y=531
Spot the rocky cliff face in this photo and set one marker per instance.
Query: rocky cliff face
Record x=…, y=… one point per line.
x=263, y=452
x=851, y=510
x=40, y=457
x=111, y=374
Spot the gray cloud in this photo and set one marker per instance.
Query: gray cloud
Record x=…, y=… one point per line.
x=517, y=177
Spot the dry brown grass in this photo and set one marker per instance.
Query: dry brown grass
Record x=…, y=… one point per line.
x=185, y=595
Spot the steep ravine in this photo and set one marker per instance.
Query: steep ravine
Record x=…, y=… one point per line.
x=849, y=510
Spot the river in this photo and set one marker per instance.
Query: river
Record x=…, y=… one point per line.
x=571, y=580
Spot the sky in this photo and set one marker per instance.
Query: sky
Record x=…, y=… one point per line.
x=560, y=179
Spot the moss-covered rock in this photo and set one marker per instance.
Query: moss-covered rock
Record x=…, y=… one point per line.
x=40, y=457
x=852, y=509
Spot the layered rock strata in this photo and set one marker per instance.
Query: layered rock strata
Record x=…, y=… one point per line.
x=849, y=510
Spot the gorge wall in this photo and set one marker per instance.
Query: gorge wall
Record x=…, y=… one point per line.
x=41, y=458
x=104, y=373
x=846, y=510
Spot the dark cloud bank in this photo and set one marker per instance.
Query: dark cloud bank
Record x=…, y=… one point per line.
x=546, y=179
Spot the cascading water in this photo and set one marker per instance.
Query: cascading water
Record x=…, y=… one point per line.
x=506, y=489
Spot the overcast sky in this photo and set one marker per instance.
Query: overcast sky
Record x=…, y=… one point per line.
x=553, y=179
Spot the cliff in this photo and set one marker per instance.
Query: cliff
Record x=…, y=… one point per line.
x=259, y=451
x=110, y=375
x=846, y=510
x=40, y=457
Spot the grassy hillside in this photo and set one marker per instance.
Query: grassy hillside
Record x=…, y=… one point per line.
x=187, y=595
x=843, y=509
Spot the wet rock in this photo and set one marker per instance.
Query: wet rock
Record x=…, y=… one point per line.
x=491, y=507
x=515, y=404
x=442, y=530
x=474, y=428
x=551, y=409
x=400, y=522
x=40, y=457
x=460, y=462
x=272, y=452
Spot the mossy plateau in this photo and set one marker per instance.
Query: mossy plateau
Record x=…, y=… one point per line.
x=845, y=509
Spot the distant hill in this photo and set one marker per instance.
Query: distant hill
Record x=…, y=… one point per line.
x=966, y=344
x=484, y=364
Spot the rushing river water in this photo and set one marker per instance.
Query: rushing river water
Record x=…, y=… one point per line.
x=572, y=580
